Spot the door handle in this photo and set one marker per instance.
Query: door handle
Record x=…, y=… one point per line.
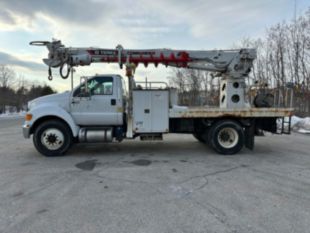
x=113, y=101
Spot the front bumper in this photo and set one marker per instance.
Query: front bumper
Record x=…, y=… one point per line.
x=26, y=130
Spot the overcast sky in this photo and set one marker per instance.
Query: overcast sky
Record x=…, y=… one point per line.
x=179, y=24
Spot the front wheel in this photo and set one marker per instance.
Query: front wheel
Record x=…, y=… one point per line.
x=52, y=138
x=227, y=137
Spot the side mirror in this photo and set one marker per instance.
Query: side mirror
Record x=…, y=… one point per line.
x=85, y=92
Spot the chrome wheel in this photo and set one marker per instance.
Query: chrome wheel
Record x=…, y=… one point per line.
x=52, y=139
x=228, y=137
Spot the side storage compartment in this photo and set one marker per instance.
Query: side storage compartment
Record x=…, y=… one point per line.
x=151, y=111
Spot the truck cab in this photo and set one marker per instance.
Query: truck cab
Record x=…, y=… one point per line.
x=93, y=111
x=98, y=101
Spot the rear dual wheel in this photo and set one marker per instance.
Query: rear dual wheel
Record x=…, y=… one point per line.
x=226, y=137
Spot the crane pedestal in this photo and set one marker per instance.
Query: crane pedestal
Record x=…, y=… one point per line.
x=232, y=93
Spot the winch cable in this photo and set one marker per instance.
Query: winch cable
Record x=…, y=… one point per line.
x=50, y=76
x=62, y=68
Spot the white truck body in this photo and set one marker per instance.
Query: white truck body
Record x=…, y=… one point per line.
x=99, y=113
x=99, y=110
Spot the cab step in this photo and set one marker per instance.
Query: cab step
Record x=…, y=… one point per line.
x=151, y=137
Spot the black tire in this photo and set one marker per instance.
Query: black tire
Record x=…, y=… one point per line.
x=226, y=137
x=264, y=100
x=199, y=137
x=52, y=133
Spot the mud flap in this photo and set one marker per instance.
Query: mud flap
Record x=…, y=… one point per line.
x=249, y=134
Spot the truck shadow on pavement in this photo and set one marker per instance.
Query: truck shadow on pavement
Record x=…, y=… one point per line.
x=177, y=149
x=188, y=151
x=141, y=148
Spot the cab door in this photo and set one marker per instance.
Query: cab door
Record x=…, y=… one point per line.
x=101, y=105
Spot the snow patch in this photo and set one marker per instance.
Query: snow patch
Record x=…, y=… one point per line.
x=13, y=114
x=300, y=125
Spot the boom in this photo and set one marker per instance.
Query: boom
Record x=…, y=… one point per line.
x=233, y=63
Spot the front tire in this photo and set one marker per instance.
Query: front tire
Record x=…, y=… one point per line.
x=52, y=138
x=227, y=137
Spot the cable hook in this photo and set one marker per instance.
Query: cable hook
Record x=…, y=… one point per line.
x=50, y=76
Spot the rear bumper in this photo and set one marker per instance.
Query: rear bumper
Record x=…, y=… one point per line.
x=26, y=130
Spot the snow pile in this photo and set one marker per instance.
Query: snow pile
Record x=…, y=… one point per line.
x=300, y=125
x=13, y=114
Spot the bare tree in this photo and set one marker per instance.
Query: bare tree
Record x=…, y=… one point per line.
x=16, y=92
x=194, y=78
x=7, y=76
x=282, y=64
x=193, y=86
x=178, y=80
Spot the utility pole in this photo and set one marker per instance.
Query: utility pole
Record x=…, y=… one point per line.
x=296, y=44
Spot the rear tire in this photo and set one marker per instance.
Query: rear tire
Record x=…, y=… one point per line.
x=52, y=138
x=226, y=137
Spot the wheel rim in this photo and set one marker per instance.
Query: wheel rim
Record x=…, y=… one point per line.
x=52, y=139
x=228, y=137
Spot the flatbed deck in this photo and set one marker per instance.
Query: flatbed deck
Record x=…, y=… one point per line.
x=205, y=112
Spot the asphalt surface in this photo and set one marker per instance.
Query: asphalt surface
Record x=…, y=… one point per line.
x=177, y=185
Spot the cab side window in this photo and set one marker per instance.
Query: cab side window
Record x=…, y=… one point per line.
x=97, y=86
x=101, y=86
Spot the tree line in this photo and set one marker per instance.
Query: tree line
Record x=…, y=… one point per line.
x=15, y=91
x=283, y=61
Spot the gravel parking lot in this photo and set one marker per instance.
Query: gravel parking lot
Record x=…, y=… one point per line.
x=175, y=185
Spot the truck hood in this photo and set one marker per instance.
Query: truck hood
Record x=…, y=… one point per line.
x=61, y=100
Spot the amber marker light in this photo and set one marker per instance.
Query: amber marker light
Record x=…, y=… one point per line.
x=28, y=117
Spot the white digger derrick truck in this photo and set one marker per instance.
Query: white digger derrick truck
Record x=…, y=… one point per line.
x=102, y=109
